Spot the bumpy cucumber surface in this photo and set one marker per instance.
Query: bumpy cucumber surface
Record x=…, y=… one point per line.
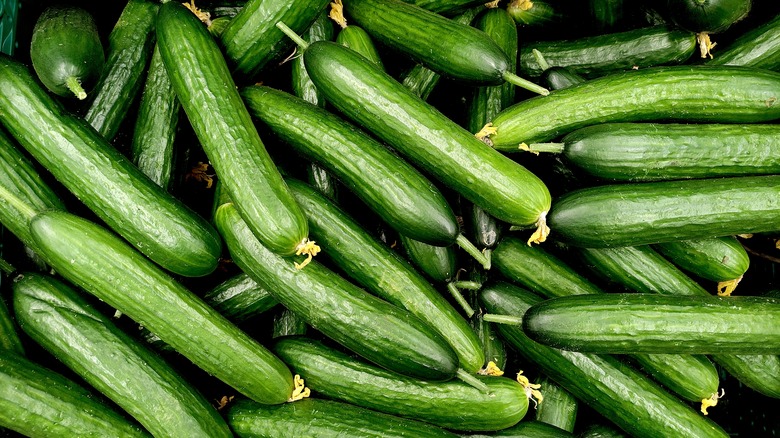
x=720, y=259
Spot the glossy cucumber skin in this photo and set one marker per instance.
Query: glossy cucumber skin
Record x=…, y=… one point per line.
x=425, y=136
x=152, y=220
x=600, y=381
x=560, y=77
x=676, y=368
x=438, y=263
x=395, y=190
x=373, y=328
x=657, y=212
x=10, y=343
x=758, y=47
x=676, y=93
x=711, y=16
x=718, y=259
x=452, y=405
x=758, y=372
x=360, y=41
x=35, y=401
x=87, y=342
x=559, y=408
x=302, y=86
x=654, y=323
x=99, y=262
x=239, y=298
x=216, y=112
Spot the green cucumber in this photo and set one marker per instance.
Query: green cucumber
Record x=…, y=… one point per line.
x=493, y=347
x=152, y=220
x=129, y=49
x=607, y=14
x=759, y=47
x=438, y=263
x=535, y=14
x=711, y=16
x=323, y=418
x=94, y=259
x=674, y=93
x=446, y=7
x=9, y=338
x=87, y=342
x=527, y=429
x=601, y=382
x=287, y=323
x=598, y=430
x=721, y=259
x=196, y=66
x=452, y=405
x=360, y=41
x=302, y=86
x=559, y=408
x=66, y=51
x=556, y=77
x=373, y=328
x=656, y=212
x=758, y=372
x=35, y=401
x=653, y=323
x=485, y=230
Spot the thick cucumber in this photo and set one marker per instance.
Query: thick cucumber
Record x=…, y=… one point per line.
x=87, y=342
x=438, y=263
x=35, y=401
x=216, y=112
x=653, y=323
x=66, y=51
x=559, y=407
x=360, y=41
x=375, y=329
x=656, y=212
x=323, y=418
x=714, y=94
x=102, y=264
x=711, y=16
x=758, y=47
x=721, y=259
x=453, y=405
x=152, y=220
x=602, y=382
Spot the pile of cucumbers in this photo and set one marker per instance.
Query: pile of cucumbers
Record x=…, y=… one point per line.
x=387, y=218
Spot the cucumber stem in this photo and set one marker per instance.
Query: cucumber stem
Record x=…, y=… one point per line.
x=543, y=64
x=459, y=299
x=292, y=35
x=75, y=87
x=555, y=148
x=470, y=285
x=472, y=380
x=524, y=83
x=502, y=319
x=18, y=204
x=6, y=267
x=473, y=251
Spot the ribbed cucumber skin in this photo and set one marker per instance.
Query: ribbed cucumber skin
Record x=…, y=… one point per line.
x=87, y=342
x=654, y=323
x=323, y=418
x=129, y=49
x=657, y=212
x=375, y=329
x=152, y=220
x=425, y=136
x=676, y=368
x=213, y=105
x=712, y=94
x=452, y=405
x=559, y=408
x=360, y=41
x=438, y=263
x=717, y=259
x=600, y=381
x=35, y=401
x=758, y=47
x=94, y=259
x=395, y=190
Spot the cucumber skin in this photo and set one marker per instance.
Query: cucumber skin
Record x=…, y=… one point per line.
x=35, y=401
x=453, y=405
x=719, y=259
x=559, y=408
x=583, y=375
x=712, y=94
x=758, y=372
x=239, y=298
x=340, y=310
x=152, y=220
x=141, y=383
x=425, y=136
x=94, y=259
x=360, y=41
x=711, y=16
x=759, y=47
x=529, y=429
x=9, y=338
x=438, y=263
x=302, y=86
x=216, y=112
x=657, y=212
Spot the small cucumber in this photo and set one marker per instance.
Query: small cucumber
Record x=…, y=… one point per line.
x=721, y=259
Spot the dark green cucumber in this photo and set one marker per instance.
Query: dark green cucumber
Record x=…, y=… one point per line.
x=559, y=408
x=445, y=7
x=758, y=372
x=601, y=382
x=359, y=40
x=251, y=40
x=493, y=347
x=758, y=47
x=452, y=405
x=556, y=77
x=239, y=298
x=66, y=51
x=302, y=86
x=721, y=259
x=373, y=328
x=99, y=262
x=438, y=263
x=657, y=212
x=9, y=338
x=152, y=220
x=598, y=430
x=534, y=13
x=711, y=16
x=527, y=429
x=675, y=93
x=287, y=323
x=35, y=401
x=323, y=418
x=87, y=342
x=130, y=46
x=197, y=69
x=485, y=230
x=653, y=323
x=607, y=14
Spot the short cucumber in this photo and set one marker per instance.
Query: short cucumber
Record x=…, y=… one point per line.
x=453, y=405
x=654, y=323
x=758, y=47
x=721, y=259
x=559, y=408
x=87, y=342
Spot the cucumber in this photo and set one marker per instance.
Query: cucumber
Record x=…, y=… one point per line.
x=711, y=16
x=493, y=347
x=527, y=429
x=446, y=7
x=287, y=323
x=152, y=220
x=535, y=14
x=87, y=342
x=601, y=382
x=758, y=372
x=656, y=212
x=559, y=407
x=598, y=430
x=196, y=66
x=66, y=51
x=9, y=338
x=35, y=401
x=607, y=14
x=556, y=77
x=653, y=323
x=721, y=259
x=360, y=41
x=94, y=259
x=673, y=93
x=323, y=418
x=129, y=49
x=302, y=86
x=452, y=405
x=375, y=329
x=759, y=47
x=438, y=263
